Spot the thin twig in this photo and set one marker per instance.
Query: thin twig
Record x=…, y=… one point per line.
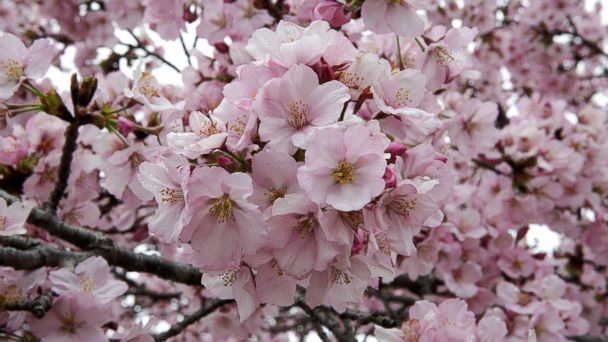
x=181, y=40
x=205, y=310
x=142, y=47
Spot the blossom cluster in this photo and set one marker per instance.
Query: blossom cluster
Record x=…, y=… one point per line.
x=379, y=163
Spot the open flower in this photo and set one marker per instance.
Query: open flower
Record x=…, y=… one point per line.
x=18, y=63
x=208, y=133
x=13, y=217
x=91, y=275
x=400, y=93
x=164, y=180
x=344, y=168
x=291, y=44
x=399, y=16
x=74, y=317
x=299, y=243
x=291, y=106
x=221, y=224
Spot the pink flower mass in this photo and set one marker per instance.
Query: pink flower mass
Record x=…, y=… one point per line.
x=283, y=170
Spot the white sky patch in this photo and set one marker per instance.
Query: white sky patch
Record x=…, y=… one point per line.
x=542, y=239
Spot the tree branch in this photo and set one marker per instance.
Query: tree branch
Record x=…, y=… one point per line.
x=142, y=47
x=104, y=246
x=38, y=307
x=67, y=154
x=39, y=256
x=205, y=310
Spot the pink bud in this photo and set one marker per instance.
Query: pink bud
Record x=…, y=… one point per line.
x=396, y=149
x=441, y=157
x=125, y=126
x=358, y=242
x=390, y=177
x=226, y=162
x=333, y=12
x=324, y=71
x=189, y=14
x=221, y=47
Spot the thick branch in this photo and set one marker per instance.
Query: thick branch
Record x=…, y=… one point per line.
x=39, y=256
x=38, y=307
x=102, y=245
x=196, y=316
x=589, y=338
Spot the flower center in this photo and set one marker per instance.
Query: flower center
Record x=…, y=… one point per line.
x=344, y=173
x=72, y=217
x=402, y=205
x=12, y=295
x=229, y=277
x=306, y=225
x=222, y=208
x=402, y=97
x=209, y=129
x=276, y=193
x=68, y=322
x=354, y=219
x=136, y=159
x=87, y=284
x=339, y=277
x=169, y=195
x=12, y=69
x=2, y=222
x=147, y=86
x=351, y=80
x=444, y=55
x=298, y=111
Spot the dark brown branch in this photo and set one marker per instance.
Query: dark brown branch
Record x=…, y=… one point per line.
x=102, y=245
x=142, y=47
x=67, y=154
x=205, y=310
x=274, y=9
x=589, y=338
x=39, y=256
x=377, y=318
x=38, y=307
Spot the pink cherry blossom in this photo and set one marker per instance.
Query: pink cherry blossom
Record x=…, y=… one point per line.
x=207, y=134
x=13, y=217
x=18, y=63
x=221, y=224
x=343, y=168
x=90, y=276
x=291, y=106
x=73, y=317
x=382, y=16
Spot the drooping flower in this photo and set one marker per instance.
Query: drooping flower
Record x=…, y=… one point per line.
x=387, y=16
x=233, y=283
x=208, y=133
x=13, y=217
x=165, y=180
x=344, y=168
x=401, y=212
x=290, y=107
